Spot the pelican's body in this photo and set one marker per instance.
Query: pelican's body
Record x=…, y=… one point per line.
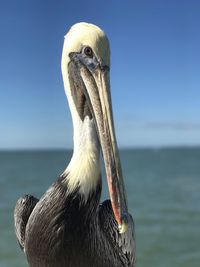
x=68, y=227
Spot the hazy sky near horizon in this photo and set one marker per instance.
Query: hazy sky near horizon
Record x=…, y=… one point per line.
x=155, y=70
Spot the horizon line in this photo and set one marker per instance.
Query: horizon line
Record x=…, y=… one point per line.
x=48, y=149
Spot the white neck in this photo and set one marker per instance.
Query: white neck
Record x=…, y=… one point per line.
x=84, y=167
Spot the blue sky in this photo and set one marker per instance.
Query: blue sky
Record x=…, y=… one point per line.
x=155, y=70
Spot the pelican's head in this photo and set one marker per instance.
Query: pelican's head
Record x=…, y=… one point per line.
x=86, y=48
x=81, y=36
x=85, y=69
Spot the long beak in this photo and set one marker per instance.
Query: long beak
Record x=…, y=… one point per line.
x=97, y=92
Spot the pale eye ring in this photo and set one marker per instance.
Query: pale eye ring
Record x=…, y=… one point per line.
x=88, y=51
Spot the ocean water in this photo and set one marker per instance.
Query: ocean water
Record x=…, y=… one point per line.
x=163, y=189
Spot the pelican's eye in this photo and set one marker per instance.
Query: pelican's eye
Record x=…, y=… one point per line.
x=88, y=51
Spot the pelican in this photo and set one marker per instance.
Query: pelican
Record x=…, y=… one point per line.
x=68, y=227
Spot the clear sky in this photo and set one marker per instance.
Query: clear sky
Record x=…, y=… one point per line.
x=155, y=70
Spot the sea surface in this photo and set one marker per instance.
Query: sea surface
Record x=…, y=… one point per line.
x=163, y=189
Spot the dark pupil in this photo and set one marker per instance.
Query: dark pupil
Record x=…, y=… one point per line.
x=88, y=51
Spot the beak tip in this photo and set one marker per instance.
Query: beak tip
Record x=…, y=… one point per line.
x=123, y=227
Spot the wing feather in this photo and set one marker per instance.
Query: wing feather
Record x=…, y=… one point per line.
x=22, y=212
